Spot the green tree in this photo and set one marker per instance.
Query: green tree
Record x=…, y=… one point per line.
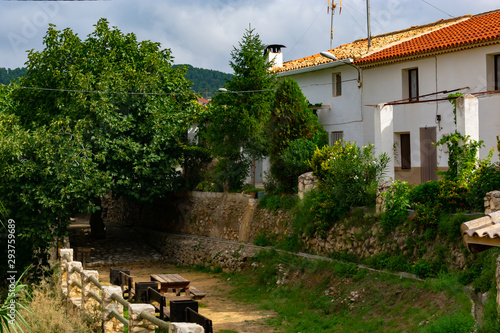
x=46, y=175
x=122, y=96
x=294, y=132
x=235, y=125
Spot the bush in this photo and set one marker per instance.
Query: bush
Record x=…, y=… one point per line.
x=264, y=239
x=274, y=202
x=396, y=204
x=488, y=179
x=303, y=222
x=453, y=196
x=449, y=226
x=427, y=215
x=346, y=174
x=424, y=192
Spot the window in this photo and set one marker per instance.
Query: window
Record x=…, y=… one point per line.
x=336, y=136
x=413, y=84
x=497, y=71
x=336, y=84
x=405, y=151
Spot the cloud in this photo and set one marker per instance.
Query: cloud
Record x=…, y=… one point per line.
x=203, y=33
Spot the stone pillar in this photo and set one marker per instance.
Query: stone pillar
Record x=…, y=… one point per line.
x=384, y=136
x=307, y=182
x=135, y=323
x=111, y=324
x=73, y=277
x=185, y=328
x=65, y=253
x=491, y=202
x=88, y=302
x=383, y=186
x=468, y=116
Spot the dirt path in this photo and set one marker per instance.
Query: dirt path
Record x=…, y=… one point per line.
x=225, y=313
x=123, y=249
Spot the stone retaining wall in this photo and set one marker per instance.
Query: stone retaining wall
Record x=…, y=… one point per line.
x=195, y=250
x=236, y=217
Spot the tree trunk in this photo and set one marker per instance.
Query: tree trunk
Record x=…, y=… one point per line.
x=97, y=227
x=252, y=173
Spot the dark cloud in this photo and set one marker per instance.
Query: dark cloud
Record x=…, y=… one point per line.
x=203, y=33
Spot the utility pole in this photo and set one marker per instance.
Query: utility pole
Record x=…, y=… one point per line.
x=368, y=23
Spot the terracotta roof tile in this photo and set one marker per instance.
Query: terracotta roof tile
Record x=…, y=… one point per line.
x=359, y=48
x=484, y=231
x=477, y=29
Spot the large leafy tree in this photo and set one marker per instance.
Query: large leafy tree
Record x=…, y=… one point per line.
x=294, y=132
x=235, y=125
x=121, y=96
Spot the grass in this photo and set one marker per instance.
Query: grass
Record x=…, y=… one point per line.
x=329, y=296
x=49, y=314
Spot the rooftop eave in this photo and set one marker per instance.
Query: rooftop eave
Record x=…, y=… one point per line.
x=423, y=54
x=315, y=67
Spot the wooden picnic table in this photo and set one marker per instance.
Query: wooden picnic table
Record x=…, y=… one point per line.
x=171, y=281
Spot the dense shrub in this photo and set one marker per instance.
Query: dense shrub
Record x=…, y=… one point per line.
x=396, y=204
x=453, y=196
x=424, y=192
x=346, y=175
x=427, y=215
x=488, y=179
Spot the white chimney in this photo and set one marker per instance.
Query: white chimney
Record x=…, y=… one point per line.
x=274, y=54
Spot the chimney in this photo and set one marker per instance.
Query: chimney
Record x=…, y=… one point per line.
x=273, y=52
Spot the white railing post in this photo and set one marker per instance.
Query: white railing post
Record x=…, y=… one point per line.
x=74, y=282
x=66, y=256
x=111, y=324
x=89, y=304
x=136, y=323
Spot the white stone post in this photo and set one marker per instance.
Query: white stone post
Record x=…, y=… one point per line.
x=111, y=324
x=185, y=328
x=88, y=302
x=72, y=279
x=384, y=136
x=65, y=253
x=468, y=116
x=135, y=323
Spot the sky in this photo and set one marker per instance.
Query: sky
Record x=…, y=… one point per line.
x=203, y=33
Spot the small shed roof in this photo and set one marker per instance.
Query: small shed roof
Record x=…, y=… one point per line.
x=482, y=233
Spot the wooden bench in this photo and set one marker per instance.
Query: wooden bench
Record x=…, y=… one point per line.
x=194, y=317
x=127, y=285
x=159, y=302
x=196, y=294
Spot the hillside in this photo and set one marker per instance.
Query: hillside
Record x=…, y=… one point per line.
x=206, y=82
x=8, y=75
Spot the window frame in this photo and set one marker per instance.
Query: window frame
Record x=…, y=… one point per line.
x=413, y=83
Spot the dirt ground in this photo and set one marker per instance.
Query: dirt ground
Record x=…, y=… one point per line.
x=226, y=314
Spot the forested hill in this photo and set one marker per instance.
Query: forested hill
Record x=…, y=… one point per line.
x=206, y=80
x=8, y=75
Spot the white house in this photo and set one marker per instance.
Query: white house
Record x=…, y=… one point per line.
x=394, y=94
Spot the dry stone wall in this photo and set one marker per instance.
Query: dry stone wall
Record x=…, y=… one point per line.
x=236, y=218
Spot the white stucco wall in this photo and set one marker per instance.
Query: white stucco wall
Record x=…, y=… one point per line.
x=345, y=113
x=443, y=72
x=353, y=111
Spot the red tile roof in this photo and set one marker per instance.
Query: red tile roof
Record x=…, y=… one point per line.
x=478, y=30
x=359, y=48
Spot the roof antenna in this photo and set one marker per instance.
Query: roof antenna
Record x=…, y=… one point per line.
x=368, y=24
x=332, y=7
